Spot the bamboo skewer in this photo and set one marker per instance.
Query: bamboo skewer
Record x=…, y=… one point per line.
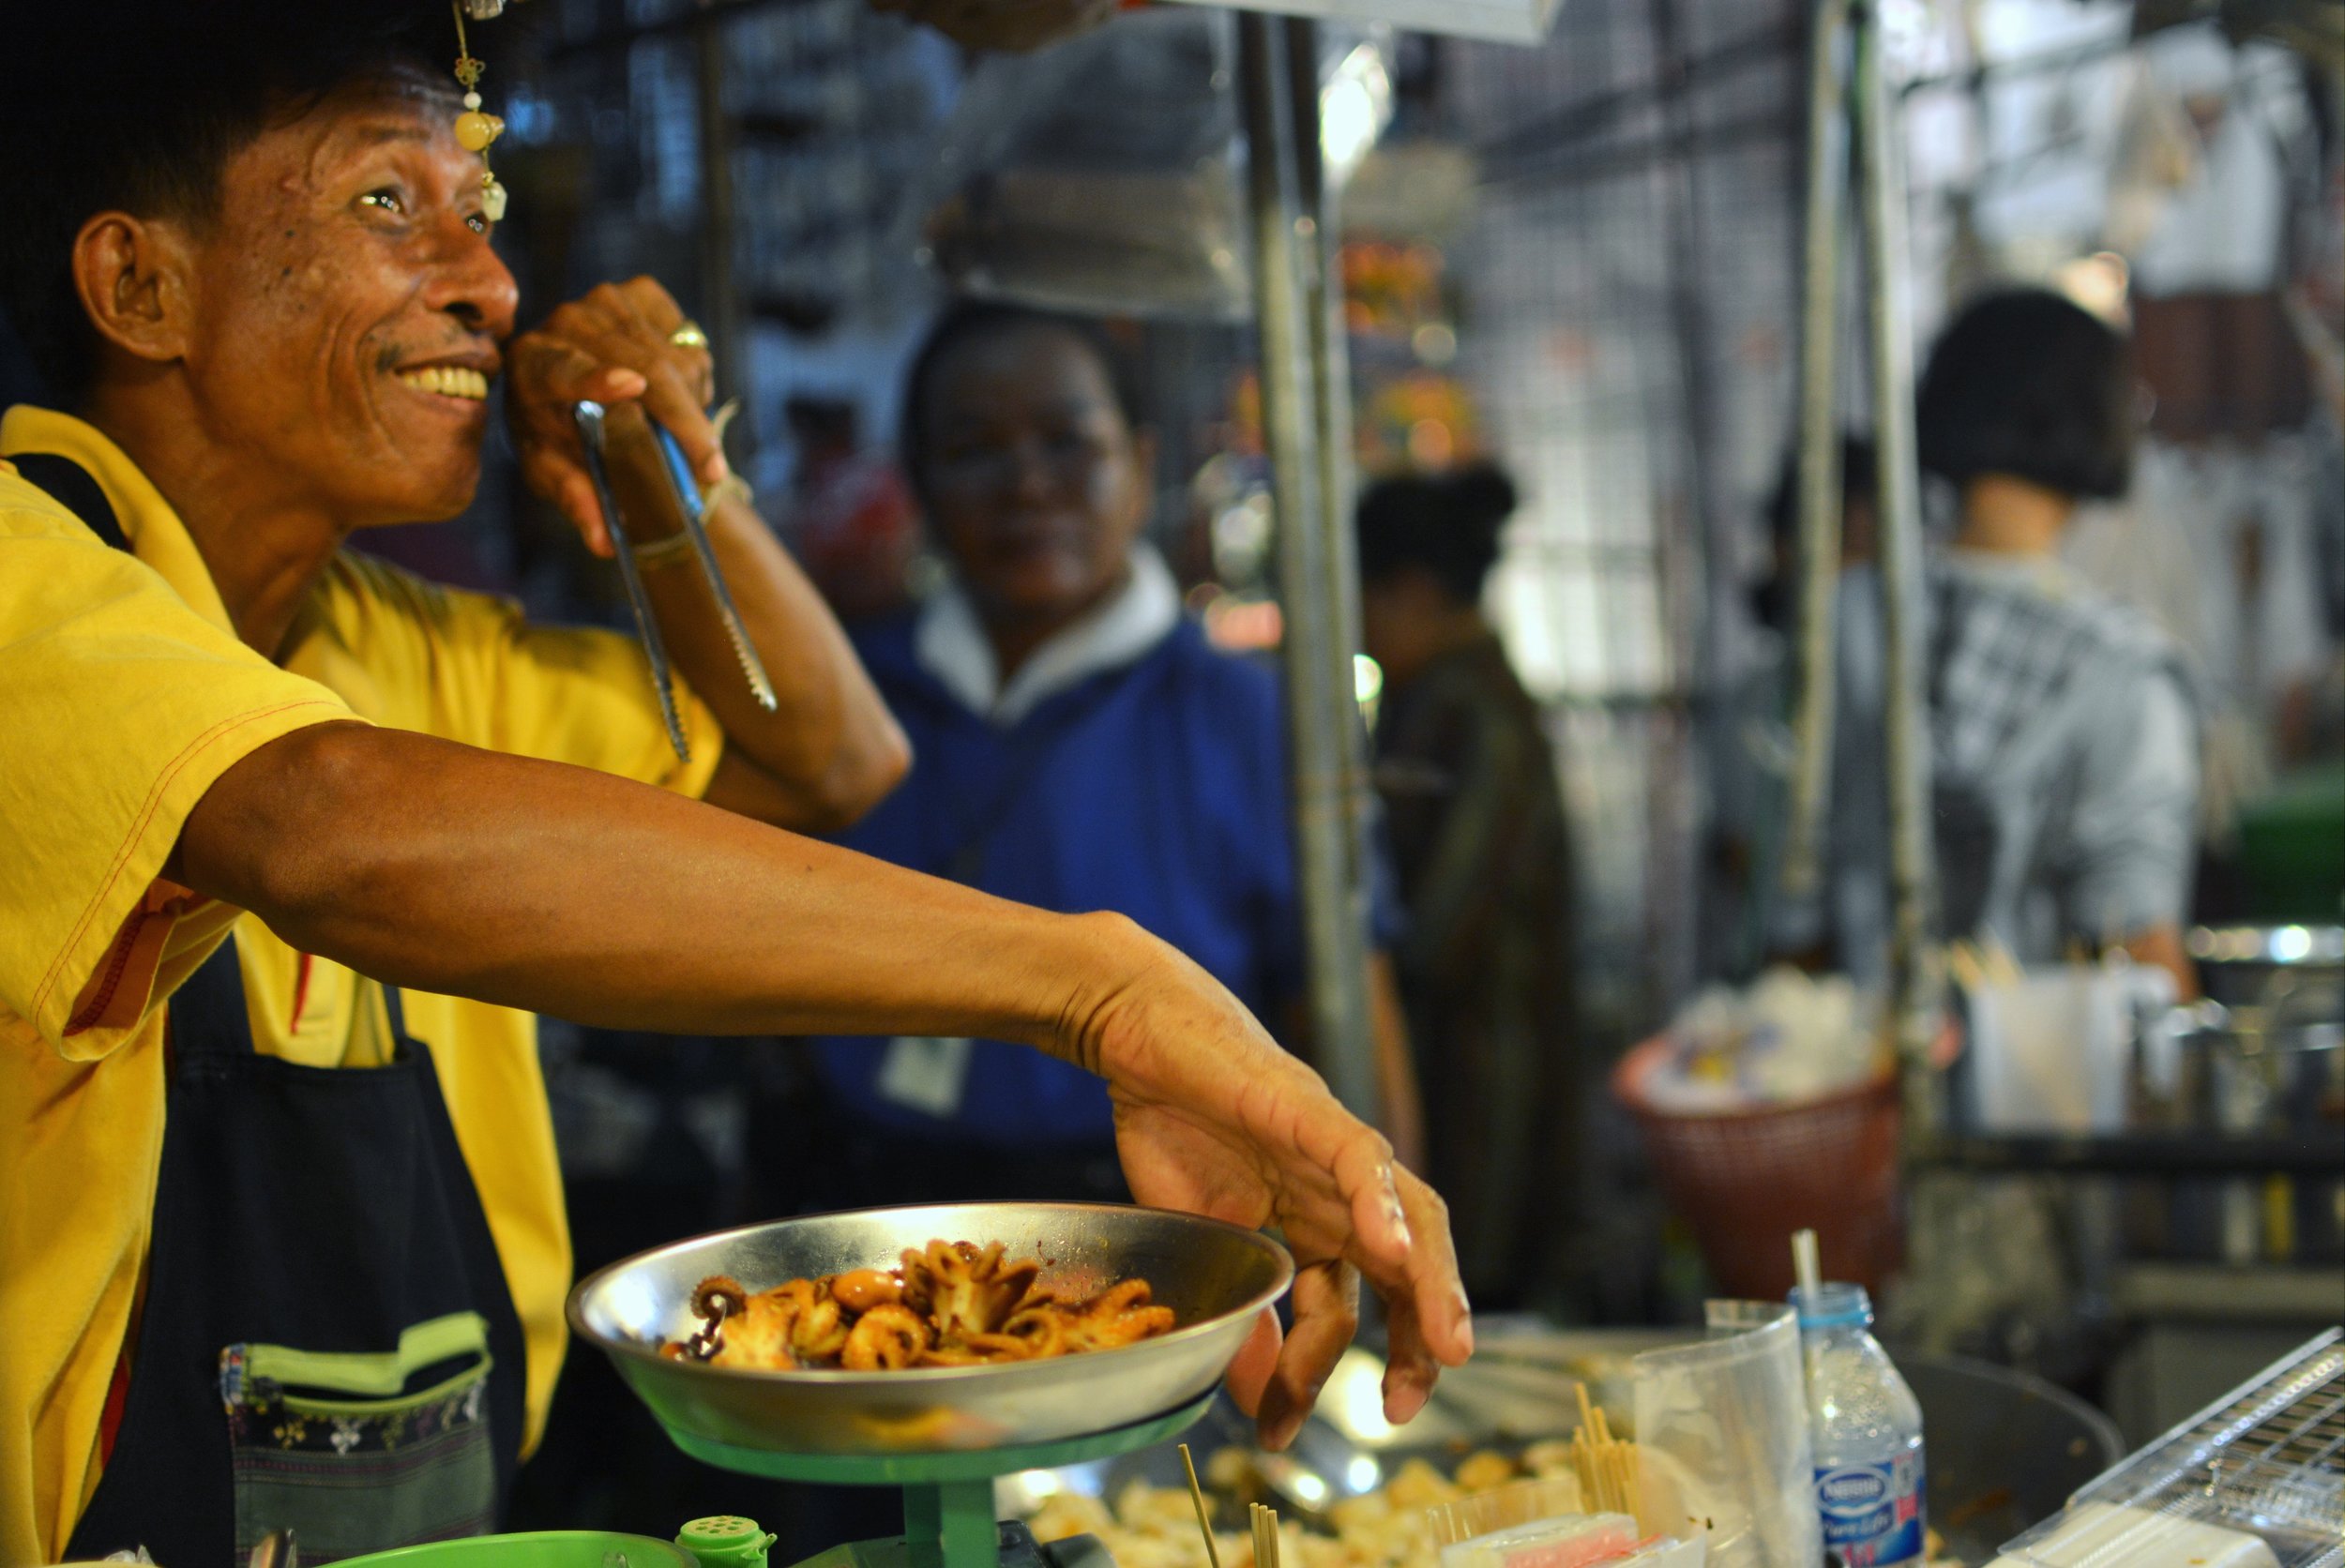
x=1611, y=1471
x=1265, y=1520
x=1197, y=1496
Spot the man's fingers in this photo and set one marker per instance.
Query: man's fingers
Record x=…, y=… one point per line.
x=626, y=330
x=1256, y=1360
x=1363, y=1169
x=1429, y=1283
x=560, y=371
x=580, y=504
x=562, y=480
x=650, y=302
x=680, y=407
x=652, y=317
x=1410, y=1369
x=1327, y=1312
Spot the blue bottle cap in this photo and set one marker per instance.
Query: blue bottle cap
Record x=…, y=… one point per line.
x=1832, y=1305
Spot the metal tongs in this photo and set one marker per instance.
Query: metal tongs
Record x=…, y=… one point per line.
x=682, y=490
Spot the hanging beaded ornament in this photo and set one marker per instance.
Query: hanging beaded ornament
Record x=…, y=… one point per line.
x=475, y=128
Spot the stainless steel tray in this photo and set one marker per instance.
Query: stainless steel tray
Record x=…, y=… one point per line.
x=1216, y=1277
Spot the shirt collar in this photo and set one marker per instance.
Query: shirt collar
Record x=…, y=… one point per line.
x=949, y=642
x=156, y=536
x=2044, y=574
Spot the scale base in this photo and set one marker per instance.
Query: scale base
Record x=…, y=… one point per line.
x=948, y=1497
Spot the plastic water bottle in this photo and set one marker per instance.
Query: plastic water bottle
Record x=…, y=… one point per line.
x=1868, y=1432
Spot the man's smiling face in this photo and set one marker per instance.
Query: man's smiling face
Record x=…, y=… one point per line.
x=346, y=308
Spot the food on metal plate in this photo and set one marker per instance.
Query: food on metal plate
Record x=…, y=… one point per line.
x=950, y=1304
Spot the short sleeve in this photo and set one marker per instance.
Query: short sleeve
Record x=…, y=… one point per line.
x=2131, y=846
x=120, y=706
x=472, y=668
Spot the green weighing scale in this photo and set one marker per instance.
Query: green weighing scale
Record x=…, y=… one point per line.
x=942, y=1434
x=948, y=1497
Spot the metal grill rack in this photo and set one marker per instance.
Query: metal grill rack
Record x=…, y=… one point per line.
x=2268, y=1458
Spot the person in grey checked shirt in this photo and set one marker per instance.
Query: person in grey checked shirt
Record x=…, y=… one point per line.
x=2063, y=735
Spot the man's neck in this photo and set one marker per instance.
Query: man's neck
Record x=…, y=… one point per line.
x=2007, y=515
x=263, y=548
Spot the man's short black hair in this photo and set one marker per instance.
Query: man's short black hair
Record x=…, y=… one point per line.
x=2028, y=383
x=1445, y=523
x=137, y=106
x=971, y=321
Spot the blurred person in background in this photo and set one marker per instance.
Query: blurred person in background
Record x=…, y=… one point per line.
x=848, y=517
x=1468, y=790
x=2063, y=737
x=1077, y=743
x=2064, y=734
x=1843, y=926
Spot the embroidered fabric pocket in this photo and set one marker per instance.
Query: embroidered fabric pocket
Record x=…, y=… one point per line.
x=362, y=1452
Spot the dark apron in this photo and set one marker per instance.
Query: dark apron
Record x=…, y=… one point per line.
x=327, y=1342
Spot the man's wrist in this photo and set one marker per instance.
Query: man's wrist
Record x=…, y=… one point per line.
x=1097, y=960
x=652, y=555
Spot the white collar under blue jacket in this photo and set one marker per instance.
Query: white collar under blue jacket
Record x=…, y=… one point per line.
x=949, y=642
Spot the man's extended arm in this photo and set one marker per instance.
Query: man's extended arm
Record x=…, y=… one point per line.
x=442, y=867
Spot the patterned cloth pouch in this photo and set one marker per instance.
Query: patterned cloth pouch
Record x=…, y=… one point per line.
x=363, y=1452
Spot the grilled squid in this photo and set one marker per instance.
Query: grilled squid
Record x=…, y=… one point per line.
x=887, y=1337
x=949, y=1303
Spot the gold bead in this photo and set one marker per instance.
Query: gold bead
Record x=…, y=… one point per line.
x=475, y=131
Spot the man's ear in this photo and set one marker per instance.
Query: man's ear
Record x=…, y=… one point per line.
x=133, y=276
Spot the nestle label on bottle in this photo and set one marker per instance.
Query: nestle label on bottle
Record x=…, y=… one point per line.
x=1873, y=1514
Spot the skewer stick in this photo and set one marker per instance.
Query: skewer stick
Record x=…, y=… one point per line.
x=1197, y=1496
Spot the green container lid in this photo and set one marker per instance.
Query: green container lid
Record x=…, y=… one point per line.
x=725, y=1540
x=545, y=1548
x=2292, y=844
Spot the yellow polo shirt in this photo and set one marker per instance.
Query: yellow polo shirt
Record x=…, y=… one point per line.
x=124, y=693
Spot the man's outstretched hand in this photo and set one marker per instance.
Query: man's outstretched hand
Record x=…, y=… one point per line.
x=1212, y=1117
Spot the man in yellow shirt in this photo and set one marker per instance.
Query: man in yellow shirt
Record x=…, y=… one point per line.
x=269, y=1228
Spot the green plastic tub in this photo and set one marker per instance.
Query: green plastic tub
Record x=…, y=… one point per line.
x=544, y=1548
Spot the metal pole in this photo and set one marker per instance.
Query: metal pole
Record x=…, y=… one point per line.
x=1819, y=448
x=1339, y=567
x=1913, y=964
x=1304, y=415
x=721, y=295
x=1698, y=645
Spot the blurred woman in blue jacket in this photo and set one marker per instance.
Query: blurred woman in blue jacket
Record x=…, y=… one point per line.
x=1078, y=745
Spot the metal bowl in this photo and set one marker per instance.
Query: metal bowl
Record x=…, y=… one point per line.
x=1216, y=1277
